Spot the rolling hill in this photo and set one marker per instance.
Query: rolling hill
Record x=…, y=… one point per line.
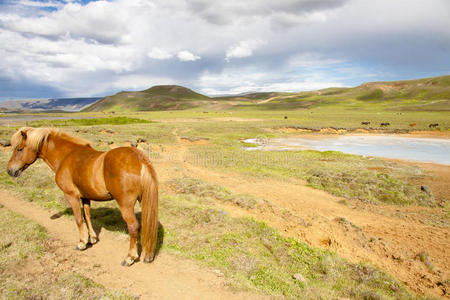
x=162, y=97
x=428, y=94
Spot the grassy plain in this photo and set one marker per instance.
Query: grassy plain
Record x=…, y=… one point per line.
x=250, y=253
x=350, y=176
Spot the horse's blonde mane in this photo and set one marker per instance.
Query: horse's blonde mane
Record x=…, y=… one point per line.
x=36, y=136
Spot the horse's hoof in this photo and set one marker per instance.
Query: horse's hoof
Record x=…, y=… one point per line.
x=148, y=259
x=127, y=262
x=81, y=247
x=93, y=240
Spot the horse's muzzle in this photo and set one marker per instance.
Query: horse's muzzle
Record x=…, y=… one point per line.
x=14, y=173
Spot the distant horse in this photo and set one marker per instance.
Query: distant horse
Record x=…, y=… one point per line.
x=365, y=123
x=434, y=125
x=385, y=124
x=124, y=174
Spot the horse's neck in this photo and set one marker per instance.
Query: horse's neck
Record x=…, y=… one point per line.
x=55, y=149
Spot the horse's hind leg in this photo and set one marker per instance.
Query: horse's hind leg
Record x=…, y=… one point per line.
x=87, y=217
x=127, y=210
x=74, y=202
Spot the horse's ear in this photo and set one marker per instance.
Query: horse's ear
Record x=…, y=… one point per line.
x=24, y=135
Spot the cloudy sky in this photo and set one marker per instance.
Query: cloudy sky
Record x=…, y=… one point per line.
x=95, y=48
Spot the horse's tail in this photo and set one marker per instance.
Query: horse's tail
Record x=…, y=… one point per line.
x=149, y=203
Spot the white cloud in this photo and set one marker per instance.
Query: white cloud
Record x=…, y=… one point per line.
x=140, y=82
x=98, y=47
x=157, y=53
x=285, y=12
x=310, y=60
x=238, y=80
x=187, y=56
x=243, y=49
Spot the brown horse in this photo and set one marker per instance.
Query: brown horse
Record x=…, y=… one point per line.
x=124, y=174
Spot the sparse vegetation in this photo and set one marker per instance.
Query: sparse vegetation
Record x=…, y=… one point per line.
x=256, y=256
x=349, y=176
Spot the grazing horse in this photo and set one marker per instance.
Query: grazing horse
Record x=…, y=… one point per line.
x=124, y=174
x=385, y=124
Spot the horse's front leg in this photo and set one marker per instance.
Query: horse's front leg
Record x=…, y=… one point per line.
x=74, y=202
x=87, y=216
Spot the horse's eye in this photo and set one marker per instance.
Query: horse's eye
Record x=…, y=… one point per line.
x=19, y=149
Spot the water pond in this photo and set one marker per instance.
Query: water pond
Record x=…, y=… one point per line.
x=417, y=149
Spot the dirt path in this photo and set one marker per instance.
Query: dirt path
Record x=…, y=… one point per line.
x=168, y=277
x=390, y=237
x=276, y=97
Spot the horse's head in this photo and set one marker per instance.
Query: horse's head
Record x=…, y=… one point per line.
x=24, y=153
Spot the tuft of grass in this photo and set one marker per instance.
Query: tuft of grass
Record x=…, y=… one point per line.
x=425, y=258
x=189, y=185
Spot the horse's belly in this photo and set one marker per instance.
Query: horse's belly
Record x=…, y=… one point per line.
x=91, y=182
x=97, y=196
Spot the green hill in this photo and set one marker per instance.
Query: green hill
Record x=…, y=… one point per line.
x=428, y=94
x=161, y=97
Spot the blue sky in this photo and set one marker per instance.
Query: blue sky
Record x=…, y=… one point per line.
x=95, y=48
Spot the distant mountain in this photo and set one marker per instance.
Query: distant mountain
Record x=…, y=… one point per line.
x=161, y=97
x=428, y=94
x=60, y=104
